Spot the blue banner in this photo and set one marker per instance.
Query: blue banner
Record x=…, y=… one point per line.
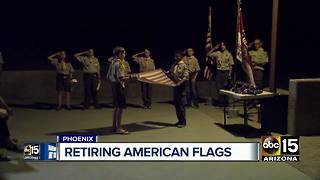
x=69, y=138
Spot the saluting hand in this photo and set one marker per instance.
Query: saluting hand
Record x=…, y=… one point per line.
x=217, y=46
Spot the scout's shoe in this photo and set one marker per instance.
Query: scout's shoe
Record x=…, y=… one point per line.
x=181, y=125
x=122, y=132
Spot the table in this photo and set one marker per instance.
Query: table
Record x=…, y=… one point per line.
x=245, y=98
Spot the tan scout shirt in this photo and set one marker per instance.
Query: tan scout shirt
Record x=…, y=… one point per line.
x=180, y=70
x=62, y=67
x=145, y=64
x=117, y=70
x=127, y=66
x=192, y=63
x=90, y=64
x=224, y=60
x=259, y=58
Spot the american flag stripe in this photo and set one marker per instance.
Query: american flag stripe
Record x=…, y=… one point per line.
x=154, y=76
x=207, y=71
x=157, y=76
x=161, y=78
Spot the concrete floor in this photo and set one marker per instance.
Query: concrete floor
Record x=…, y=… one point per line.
x=146, y=126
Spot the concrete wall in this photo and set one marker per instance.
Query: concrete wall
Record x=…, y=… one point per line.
x=304, y=107
x=39, y=86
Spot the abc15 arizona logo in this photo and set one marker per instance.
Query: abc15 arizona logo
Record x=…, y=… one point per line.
x=280, y=148
x=31, y=152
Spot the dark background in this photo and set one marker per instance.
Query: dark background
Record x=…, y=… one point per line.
x=31, y=30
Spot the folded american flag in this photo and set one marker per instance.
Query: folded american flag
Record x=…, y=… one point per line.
x=158, y=76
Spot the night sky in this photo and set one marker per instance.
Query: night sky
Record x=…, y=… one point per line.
x=31, y=30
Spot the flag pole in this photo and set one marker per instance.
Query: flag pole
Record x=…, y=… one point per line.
x=235, y=64
x=207, y=71
x=210, y=14
x=272, y=83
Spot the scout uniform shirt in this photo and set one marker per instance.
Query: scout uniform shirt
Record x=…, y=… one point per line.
x=64, y=68
x=90, y=64
x=180, y=70
x=117, y=70
x=259, y=58
x=224, y=60
x=192, y=63
x=125, y=63
x=127, y=66
x=145, y=64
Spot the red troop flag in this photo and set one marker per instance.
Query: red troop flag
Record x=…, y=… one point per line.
x=242, y=47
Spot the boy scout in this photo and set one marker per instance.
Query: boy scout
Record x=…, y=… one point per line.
x=117, y=74
x=181, y=73
x=224, y=62
x=126, y=66
x=259, y=58
x=64, y=75
x=91, y=76
x=192, y=62
x=146, y=63
x=125, y=63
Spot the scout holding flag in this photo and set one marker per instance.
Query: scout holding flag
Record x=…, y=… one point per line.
x=180, y=71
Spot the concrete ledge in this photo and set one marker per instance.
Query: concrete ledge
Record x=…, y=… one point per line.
x=303, y=107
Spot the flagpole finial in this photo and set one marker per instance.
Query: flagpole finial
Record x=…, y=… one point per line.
x=239, y=2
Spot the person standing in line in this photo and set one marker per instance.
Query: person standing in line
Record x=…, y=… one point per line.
x=127, y=67
x=179, y=70
x=125, y=63
x=224, y=62
x=146, y=63
x=259, y=58
x=118, y=75
x=192, y=62
x=64, y=71
x=91, y=77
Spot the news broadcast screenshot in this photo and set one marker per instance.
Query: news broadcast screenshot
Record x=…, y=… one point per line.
x=159, y=90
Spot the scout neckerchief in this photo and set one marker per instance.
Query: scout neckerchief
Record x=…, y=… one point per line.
x=63, y=66
x=176, y=66
x=145, y=62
